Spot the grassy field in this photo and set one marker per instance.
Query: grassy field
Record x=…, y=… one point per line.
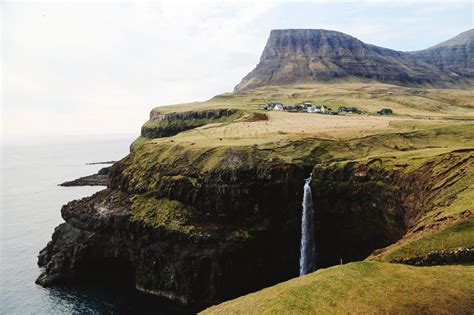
x=413, y=108
x=364, y=288
x=369, y=97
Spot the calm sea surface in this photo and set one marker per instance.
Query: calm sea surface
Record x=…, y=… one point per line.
x=30, y=209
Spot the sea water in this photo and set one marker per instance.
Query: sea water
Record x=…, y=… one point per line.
x=30, y=210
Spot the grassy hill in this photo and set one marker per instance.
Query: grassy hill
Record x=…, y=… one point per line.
x=364, y=288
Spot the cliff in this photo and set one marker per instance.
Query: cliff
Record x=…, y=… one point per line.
x=200, y=225
x=316, y=55
x=99, y=179
x=207, y=205
x=166, y=125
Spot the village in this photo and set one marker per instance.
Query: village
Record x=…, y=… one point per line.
x=309, y=107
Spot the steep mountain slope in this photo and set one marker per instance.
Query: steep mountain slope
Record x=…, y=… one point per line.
x=454, y=55
x=302, y=55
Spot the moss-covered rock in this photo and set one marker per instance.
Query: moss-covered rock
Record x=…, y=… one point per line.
x=170, y=214
x=166, y=125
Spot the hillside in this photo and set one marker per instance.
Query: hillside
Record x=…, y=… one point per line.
x=364, y=288
x=316, y=55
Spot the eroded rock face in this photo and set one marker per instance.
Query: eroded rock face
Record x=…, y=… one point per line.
x=167, y=125
x=455, y=55
x=245, y=237
x=360, y=209
x=450, y=257
x=246, y=225
x=299, y=55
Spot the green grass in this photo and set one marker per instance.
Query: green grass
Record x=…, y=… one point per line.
x=190, y=123
x=139, y=142
x=369, y=97
x=450, y=236
x=364, y=288
x=164, y=213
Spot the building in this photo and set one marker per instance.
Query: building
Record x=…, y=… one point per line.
x=385, y=111
x=354, y=110
x=273, y=106
x=278, y=106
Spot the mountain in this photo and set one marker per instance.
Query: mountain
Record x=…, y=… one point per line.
x=454, y=55
x=299, y=55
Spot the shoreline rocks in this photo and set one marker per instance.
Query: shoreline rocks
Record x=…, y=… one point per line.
x=99, y=179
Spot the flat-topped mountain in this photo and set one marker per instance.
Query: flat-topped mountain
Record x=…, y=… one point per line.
x=305, y=55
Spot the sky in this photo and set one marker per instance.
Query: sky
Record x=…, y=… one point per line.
x=91, y=67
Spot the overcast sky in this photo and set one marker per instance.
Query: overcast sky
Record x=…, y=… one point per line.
x=88, y=68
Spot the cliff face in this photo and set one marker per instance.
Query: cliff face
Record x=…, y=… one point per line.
x=306, y=55
x=166, y=125
x=232, y=230
x=455, y=55
x=241, y=235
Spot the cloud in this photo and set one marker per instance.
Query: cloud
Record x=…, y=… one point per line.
x=89, y=67
x=68, y=60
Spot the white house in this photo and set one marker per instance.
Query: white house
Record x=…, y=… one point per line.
x=278, y=106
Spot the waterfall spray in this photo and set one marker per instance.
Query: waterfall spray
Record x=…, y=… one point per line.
x=308, y=252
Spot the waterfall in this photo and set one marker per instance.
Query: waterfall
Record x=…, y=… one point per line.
x=308, y=251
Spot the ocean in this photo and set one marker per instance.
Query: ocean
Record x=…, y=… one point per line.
x=30, y=210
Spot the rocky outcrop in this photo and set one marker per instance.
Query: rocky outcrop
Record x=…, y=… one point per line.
x=227, y=253
x=200, y=236
x=167, y=125
x=308, y=55
x=99, y=179
x=450, y=257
